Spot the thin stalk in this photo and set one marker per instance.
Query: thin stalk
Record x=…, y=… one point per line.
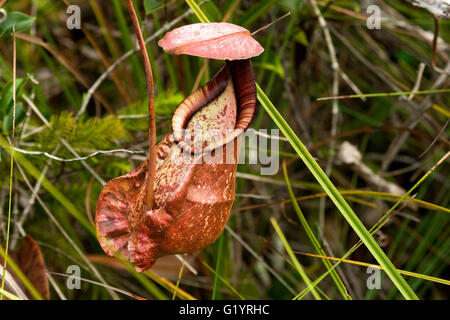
x=434, y=45
x=336, y=197
x=225, y=282
x=163, y=282
x=151, y=108
x=337, y=280
x=385, y=94
x=180, y=274
x=365, y=264
x=294, y=259
x=219, y=253
x=12, y=163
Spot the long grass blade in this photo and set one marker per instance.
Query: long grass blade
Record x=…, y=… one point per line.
x=334, y=275
x=348, y=194
x=294, y=259
x=336, y=197
x=385, y=94
x=9, y=295
x=225, y=282
x=8, y=225
x=376, y=227
x=216, y=274
x=15, y=268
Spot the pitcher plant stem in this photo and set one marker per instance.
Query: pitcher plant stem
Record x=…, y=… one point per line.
x=151, y=108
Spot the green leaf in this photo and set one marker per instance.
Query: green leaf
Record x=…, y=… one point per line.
x=166, y=102
x=256, y=11
x=277, y=68
x=93, y=133
x=212, y=11
x=54, y=191
x=19, y=20
x=6, y=99
x=198, y=12
x=301, y=38
x=294, y=259
x=272, y=62
x=151, y=5
x=8, y=119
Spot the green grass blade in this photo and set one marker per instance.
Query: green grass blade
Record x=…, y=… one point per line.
x=294, y=259
x=9, y=295
x=20, y=275
x=9, y=212
x=198, y=12
x=365, y=264
x=225, y=282
x=376, y=227
x=219, y=253
x=49, y=187
x=334, y=275
x=336, y=197
x=256, y=11
x=163, y=282
x=383, y=220
x=385, y=94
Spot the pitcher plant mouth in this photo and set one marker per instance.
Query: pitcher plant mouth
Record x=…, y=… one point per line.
x=240, y=72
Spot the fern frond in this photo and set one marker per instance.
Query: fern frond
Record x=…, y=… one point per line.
x=99, y=133
x=92, y=134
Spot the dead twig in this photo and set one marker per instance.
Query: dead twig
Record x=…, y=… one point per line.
x=435, y=139
x=96, y=153
x=418, y=80
x=349, y=155
x=434, y=46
